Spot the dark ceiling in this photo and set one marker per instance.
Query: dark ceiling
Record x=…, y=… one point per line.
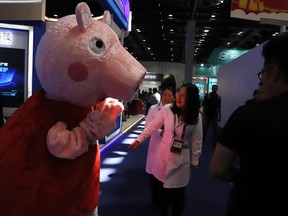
x=157, y=37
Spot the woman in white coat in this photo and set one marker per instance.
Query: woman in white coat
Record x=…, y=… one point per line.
x=180, y=147
x=167, y=97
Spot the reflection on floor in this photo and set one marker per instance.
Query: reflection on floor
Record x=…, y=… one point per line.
x=126, y=125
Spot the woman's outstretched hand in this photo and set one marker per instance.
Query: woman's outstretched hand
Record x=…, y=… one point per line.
x=134, y=144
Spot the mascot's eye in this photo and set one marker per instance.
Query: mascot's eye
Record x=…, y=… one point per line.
x=97, y=46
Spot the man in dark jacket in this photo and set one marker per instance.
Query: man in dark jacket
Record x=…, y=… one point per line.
x=211, y=112
x=256, y=136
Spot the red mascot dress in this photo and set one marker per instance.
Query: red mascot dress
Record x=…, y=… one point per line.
x=45, y=181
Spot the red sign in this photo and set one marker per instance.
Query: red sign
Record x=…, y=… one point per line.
x=256, y=9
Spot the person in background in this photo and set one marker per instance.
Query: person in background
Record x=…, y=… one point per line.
x=147, y=97
x=180, y=147
x=253, y=99
x=127, y=110
x=212, y=113
x=256, y=133
x=155, y=98
x=133, y=103
x=149, y=93
x=167, y=97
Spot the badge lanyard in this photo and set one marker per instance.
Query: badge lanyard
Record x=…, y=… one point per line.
x=174, y=132
x=177, y=144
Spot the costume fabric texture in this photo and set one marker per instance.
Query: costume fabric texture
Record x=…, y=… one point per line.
x=46, y=181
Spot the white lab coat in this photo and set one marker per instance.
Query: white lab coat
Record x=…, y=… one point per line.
x=170, y=168
x=155, y=138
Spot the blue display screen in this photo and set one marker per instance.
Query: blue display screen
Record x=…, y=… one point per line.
x=12, y=76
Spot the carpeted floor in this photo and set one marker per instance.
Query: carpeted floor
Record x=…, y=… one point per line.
x=125, y=184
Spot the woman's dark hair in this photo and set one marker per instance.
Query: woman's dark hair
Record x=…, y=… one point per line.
x=168, y=81
x=172, y=89
x=191, y=111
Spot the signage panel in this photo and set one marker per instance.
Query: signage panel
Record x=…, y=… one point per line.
x=223, y=56
x=258, y=9
x=120, y=9
x=16, y=59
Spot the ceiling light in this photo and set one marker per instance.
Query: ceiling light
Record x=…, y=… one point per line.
x=276, y=33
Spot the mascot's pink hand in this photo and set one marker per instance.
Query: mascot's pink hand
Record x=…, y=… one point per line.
x=67, y=144
x=101, y=122
x=63, y=143
x=112, y=106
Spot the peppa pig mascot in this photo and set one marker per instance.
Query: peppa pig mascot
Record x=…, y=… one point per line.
x=49, y=154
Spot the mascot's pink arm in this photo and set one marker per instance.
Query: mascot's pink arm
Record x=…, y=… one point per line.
x=63, y=143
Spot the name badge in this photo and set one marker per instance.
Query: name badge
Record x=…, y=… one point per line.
x=177, y=146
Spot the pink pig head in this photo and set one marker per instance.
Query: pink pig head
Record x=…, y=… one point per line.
x=80, y=60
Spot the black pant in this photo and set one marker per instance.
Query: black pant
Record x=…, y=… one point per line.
x=215, y=128
x=173, y=198
x=148, y=105
x=232, y=206
x=129, y=110
x=156, y=187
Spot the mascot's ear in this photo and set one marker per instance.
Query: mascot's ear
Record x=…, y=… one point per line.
x=83, y=16
x=107, y=18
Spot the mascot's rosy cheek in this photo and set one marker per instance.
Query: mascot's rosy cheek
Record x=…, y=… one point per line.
x=49, y=153
x=78, y=72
